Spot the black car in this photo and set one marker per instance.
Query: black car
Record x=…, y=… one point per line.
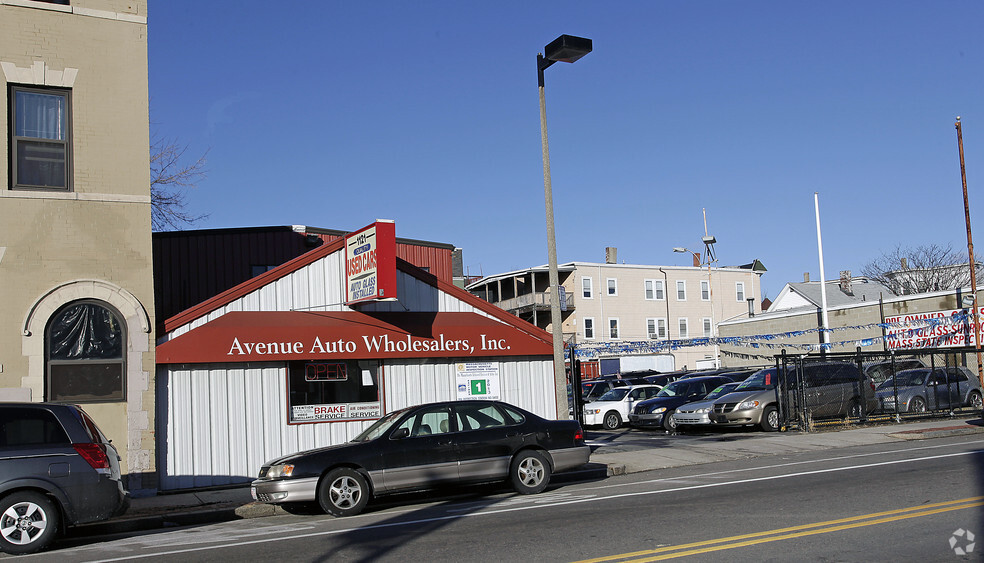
x=658, y=411
x=424, y=446
x=57, y=469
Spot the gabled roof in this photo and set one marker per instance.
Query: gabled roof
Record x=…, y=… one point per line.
x=266, y=278
x=807, y=294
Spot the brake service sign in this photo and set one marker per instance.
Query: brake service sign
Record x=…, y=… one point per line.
x=370, y=263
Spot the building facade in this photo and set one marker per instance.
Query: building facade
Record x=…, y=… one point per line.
x=286, y=362
x=76, y=304
x=607, y=303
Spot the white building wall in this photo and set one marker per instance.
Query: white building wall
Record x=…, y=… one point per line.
x=223, y=421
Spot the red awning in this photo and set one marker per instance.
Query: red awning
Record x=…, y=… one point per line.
x=307, y=335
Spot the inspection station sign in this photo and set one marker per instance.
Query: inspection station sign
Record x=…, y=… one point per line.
x=370, y=263
x=943, y=330
x=477, y=380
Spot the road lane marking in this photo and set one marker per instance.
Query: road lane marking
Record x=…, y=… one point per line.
x=707, y=546
x=545, y=505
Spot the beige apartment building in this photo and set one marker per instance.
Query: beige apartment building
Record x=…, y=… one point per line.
x=608, y=303
x=76, y=272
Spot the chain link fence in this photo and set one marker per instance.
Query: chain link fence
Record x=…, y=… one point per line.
x=815, y=390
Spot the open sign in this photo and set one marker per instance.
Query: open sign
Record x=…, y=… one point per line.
x=323, y=371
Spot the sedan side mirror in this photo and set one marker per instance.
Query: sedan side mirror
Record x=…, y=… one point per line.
x=400, y=433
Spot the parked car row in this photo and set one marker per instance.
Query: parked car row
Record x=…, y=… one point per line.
x=822, y=389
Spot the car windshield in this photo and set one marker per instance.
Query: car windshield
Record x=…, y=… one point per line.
x=379, y=427
x=616, y=394
x=759, y=381
x=676, y=389
x=906, y=378
x=722, y=390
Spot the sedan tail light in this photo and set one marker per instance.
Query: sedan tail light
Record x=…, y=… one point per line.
x=578, y=434
x=95, y=455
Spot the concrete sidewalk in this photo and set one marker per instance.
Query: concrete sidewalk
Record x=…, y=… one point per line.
x=202, y=507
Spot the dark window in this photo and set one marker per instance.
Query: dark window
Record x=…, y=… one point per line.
x=475, y=416
x=40, y=134
x=85, y=342
x=23, y=426
x=333, y=390
x=434, y=420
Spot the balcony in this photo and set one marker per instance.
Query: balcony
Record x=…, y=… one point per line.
x=534, y=302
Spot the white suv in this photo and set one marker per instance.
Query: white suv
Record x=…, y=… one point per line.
x=613, y=408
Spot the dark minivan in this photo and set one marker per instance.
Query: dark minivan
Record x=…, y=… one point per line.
x=57, y=469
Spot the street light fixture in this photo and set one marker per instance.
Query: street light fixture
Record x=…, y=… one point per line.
x=566, y=48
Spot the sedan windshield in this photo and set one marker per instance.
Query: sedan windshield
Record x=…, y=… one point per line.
x=722, y=390
x=616, y=394
x=906, y=378
x=379, y=427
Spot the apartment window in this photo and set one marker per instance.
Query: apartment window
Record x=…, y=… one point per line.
x=613, y=329
x=41, y=140
x=654, y=290
x=684, y=332
x=656, y=328
x=740, y=291
x=707, y=327
x=705, y=290
x=681, y=290
x=586, y=288
x=612, y=286
x=589, y=328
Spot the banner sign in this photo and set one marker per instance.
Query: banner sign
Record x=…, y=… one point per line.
x=337, y=411
x=370, y=263
x=477, y=380
x=954, y=328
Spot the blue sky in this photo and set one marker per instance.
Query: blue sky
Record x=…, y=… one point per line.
x=333, y=114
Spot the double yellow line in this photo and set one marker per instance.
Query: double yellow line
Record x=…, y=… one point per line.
x=696, y=548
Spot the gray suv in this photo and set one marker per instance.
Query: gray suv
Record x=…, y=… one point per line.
x=57, y=469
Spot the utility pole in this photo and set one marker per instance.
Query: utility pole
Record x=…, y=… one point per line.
x=970, y=251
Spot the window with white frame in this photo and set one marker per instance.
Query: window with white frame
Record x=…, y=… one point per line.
x=612, y=286
x=707, y=327
x=587, y=288
x=705, y=290
x=656, y=328
x=654, y=290
x=613, y=328
x=589, y=328
x=41, y=141
x=740, y=291
x=681, y=290
x=683, y=328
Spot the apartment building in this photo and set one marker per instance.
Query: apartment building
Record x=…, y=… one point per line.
x=610, y=303
x=76, y=270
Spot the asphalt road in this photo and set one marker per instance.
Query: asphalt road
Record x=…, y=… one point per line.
x=900, y=501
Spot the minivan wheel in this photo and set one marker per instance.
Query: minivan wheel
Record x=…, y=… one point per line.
x=854, y=409
x=770, y=419
x=343, y=492
x=28, y=523
x=918, y=404
x=612, y=420
x=976, y=401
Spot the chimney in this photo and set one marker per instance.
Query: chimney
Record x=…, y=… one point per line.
x=696, y=259
x=905, y=263
x=806, y=277
x=845, y=282
x=611, y=255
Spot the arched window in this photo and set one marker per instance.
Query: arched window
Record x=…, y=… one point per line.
x=84, y=345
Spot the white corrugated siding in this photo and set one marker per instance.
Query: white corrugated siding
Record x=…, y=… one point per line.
x=223, y=421
x=318, y=287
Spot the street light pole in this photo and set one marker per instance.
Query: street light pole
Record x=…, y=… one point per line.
x=566, y=48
